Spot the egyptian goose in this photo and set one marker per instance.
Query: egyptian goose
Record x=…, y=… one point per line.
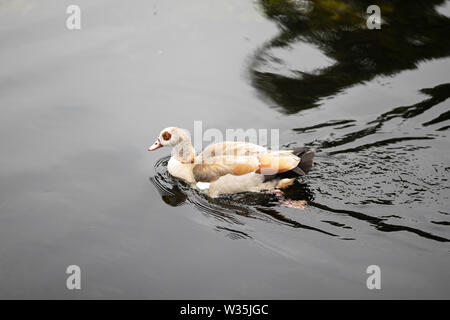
x=231, y=167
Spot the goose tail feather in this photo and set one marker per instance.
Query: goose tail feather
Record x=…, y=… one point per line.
x=306, y=162
x=304, y=166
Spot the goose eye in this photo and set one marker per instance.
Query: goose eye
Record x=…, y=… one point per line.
x=166, y=135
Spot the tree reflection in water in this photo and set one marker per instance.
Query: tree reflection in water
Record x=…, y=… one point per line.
x=411, y=32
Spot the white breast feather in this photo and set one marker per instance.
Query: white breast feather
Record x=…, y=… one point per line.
x=180, y=170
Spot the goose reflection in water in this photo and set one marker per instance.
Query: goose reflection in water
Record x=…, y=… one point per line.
x=230, y=208
x=233, y=209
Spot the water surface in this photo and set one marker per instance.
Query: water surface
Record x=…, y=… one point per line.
x=80, y=108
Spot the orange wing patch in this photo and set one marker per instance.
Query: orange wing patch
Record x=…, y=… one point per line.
x=272, y=163
x=244, y=165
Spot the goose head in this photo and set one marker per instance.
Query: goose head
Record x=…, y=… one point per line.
x=179, y=140
x=168, y=137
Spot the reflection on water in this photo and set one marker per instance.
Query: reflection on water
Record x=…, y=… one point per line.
x=438, y=94
x=393, y=164
x=410, y=33
x=230, y=209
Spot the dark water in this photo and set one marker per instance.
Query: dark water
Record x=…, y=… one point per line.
x=79, y=108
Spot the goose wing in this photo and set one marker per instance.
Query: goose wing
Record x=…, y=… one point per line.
x=239, y=158
x=231, y=148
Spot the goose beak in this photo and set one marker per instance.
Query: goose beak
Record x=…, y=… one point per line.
x=155, y=146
